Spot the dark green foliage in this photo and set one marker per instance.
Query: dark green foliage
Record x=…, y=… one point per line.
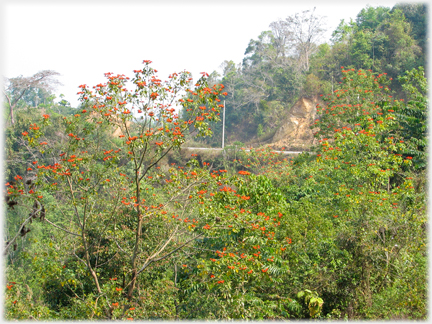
x=413, y=115
x=417, y=15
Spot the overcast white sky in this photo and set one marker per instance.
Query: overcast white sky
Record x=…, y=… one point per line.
x=83, y=40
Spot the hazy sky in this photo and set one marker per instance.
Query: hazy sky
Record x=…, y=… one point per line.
x=83, y=40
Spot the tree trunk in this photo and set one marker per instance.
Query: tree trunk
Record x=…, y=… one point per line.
x=11, y=107
x=11, y=114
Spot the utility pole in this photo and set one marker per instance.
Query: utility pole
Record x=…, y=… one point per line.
x=223, y=126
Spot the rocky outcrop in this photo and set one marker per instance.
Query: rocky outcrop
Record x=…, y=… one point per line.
x=114, y=121
x=119, y=131
x=294, y=132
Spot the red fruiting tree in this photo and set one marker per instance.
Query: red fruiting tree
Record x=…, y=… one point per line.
x=109, y=175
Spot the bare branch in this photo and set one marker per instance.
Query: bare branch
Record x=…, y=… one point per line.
x=19, y=86
x=65, y=230
x=168, y=254
x=22, y=226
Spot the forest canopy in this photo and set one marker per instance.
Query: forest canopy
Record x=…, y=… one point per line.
x=110, y=217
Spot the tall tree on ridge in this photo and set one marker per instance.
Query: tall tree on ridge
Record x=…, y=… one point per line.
x=306, y=29
x=17, y=88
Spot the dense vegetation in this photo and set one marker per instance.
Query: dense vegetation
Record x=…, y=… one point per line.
x=109, y=218
x=288, y=62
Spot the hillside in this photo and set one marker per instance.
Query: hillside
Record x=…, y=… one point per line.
x=279, y=68
x=108, y=215
x=294, y=132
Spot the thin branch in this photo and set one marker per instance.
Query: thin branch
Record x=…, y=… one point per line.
x=80, y=259
x=65, y=230
x=118, y=245
x=97, y=266
x=167, y=255
x=22, y=226
x=164, y=245
x=151, y=165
